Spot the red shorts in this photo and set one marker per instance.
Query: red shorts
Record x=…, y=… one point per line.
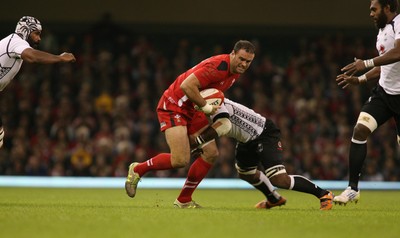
x=170, y=115
x=198, y=121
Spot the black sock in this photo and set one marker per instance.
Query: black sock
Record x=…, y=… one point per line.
x=302, y=184
x=357, y=155
x=262, y=187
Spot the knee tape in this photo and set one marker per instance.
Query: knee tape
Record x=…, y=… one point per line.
x=246, y=171
x=275, y=170
x=368, y=121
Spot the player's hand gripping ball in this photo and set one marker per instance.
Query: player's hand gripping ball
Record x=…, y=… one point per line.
x=212, y=96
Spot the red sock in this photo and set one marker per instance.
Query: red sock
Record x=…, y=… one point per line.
x=159, y=162
x=198, y=170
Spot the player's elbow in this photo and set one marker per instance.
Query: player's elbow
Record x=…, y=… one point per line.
x=29, y=59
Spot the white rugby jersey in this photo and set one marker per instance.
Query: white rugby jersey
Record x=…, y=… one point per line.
x=11, y=49
x=247, y=125
x=390, y=74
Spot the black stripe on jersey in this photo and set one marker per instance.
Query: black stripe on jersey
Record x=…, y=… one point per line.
x=221, y=115
x=171, y=118
x=392, y=23
x=223, y=66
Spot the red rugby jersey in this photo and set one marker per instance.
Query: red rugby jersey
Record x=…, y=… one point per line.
x=212, y=73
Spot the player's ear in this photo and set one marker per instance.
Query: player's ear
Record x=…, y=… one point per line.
x=386, y=8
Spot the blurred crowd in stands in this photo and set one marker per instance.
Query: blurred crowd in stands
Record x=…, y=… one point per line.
x=94, y=117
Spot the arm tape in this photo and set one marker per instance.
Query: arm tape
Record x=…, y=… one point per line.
x=362, y=78
x=224, y=127
x=369, y=63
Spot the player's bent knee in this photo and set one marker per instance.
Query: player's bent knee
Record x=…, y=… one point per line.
x=281, y=181
x=366, y=124
x=209, y=159
x=211, y=150
x=361, y=132
x=179, y=162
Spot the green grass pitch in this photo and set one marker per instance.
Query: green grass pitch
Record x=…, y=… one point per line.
x=46, y=212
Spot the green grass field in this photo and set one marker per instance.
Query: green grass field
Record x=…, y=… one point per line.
x=34, y=212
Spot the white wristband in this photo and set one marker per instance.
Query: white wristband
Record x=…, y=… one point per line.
x=369, y=63
x=207, y=109
x=362, y=78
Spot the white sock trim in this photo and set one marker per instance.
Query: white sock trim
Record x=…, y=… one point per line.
x=358, y=141
x=291, y=182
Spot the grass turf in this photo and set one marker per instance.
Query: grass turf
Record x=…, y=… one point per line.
x=39, y=212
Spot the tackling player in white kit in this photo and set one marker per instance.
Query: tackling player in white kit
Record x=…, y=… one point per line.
x=258, y=142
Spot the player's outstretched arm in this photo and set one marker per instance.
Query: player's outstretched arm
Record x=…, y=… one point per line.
x=370, y=77
x=391, y=56
x=37, y=56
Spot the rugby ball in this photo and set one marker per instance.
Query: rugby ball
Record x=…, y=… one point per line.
x=212, y=96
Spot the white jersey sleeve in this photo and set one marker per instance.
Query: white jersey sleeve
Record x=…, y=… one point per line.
x=390, y=74
x=396, y=27
x=247, y=125
x=11, y=49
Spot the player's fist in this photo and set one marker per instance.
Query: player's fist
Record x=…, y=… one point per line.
x=67, y=57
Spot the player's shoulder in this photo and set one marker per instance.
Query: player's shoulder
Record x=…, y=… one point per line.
x=396, y=19
x=395, y=25
x=219, y=62
x=7, y=38
x=218, y=58
x=14, y=39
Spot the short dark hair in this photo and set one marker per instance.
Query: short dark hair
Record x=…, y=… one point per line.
x=393, y=4
x=245, y=45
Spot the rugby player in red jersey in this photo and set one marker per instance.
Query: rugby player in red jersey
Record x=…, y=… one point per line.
x=175, y=109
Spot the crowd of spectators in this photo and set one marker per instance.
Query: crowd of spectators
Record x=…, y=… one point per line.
x=95, y=117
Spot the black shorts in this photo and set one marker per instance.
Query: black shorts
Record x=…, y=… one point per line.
x=266, y=149
x=383, y=106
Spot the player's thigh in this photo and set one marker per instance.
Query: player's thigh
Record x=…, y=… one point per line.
x=246, y=156
x=178, y=143
x=198, y=123
x=269, y=151
x=378, y=109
